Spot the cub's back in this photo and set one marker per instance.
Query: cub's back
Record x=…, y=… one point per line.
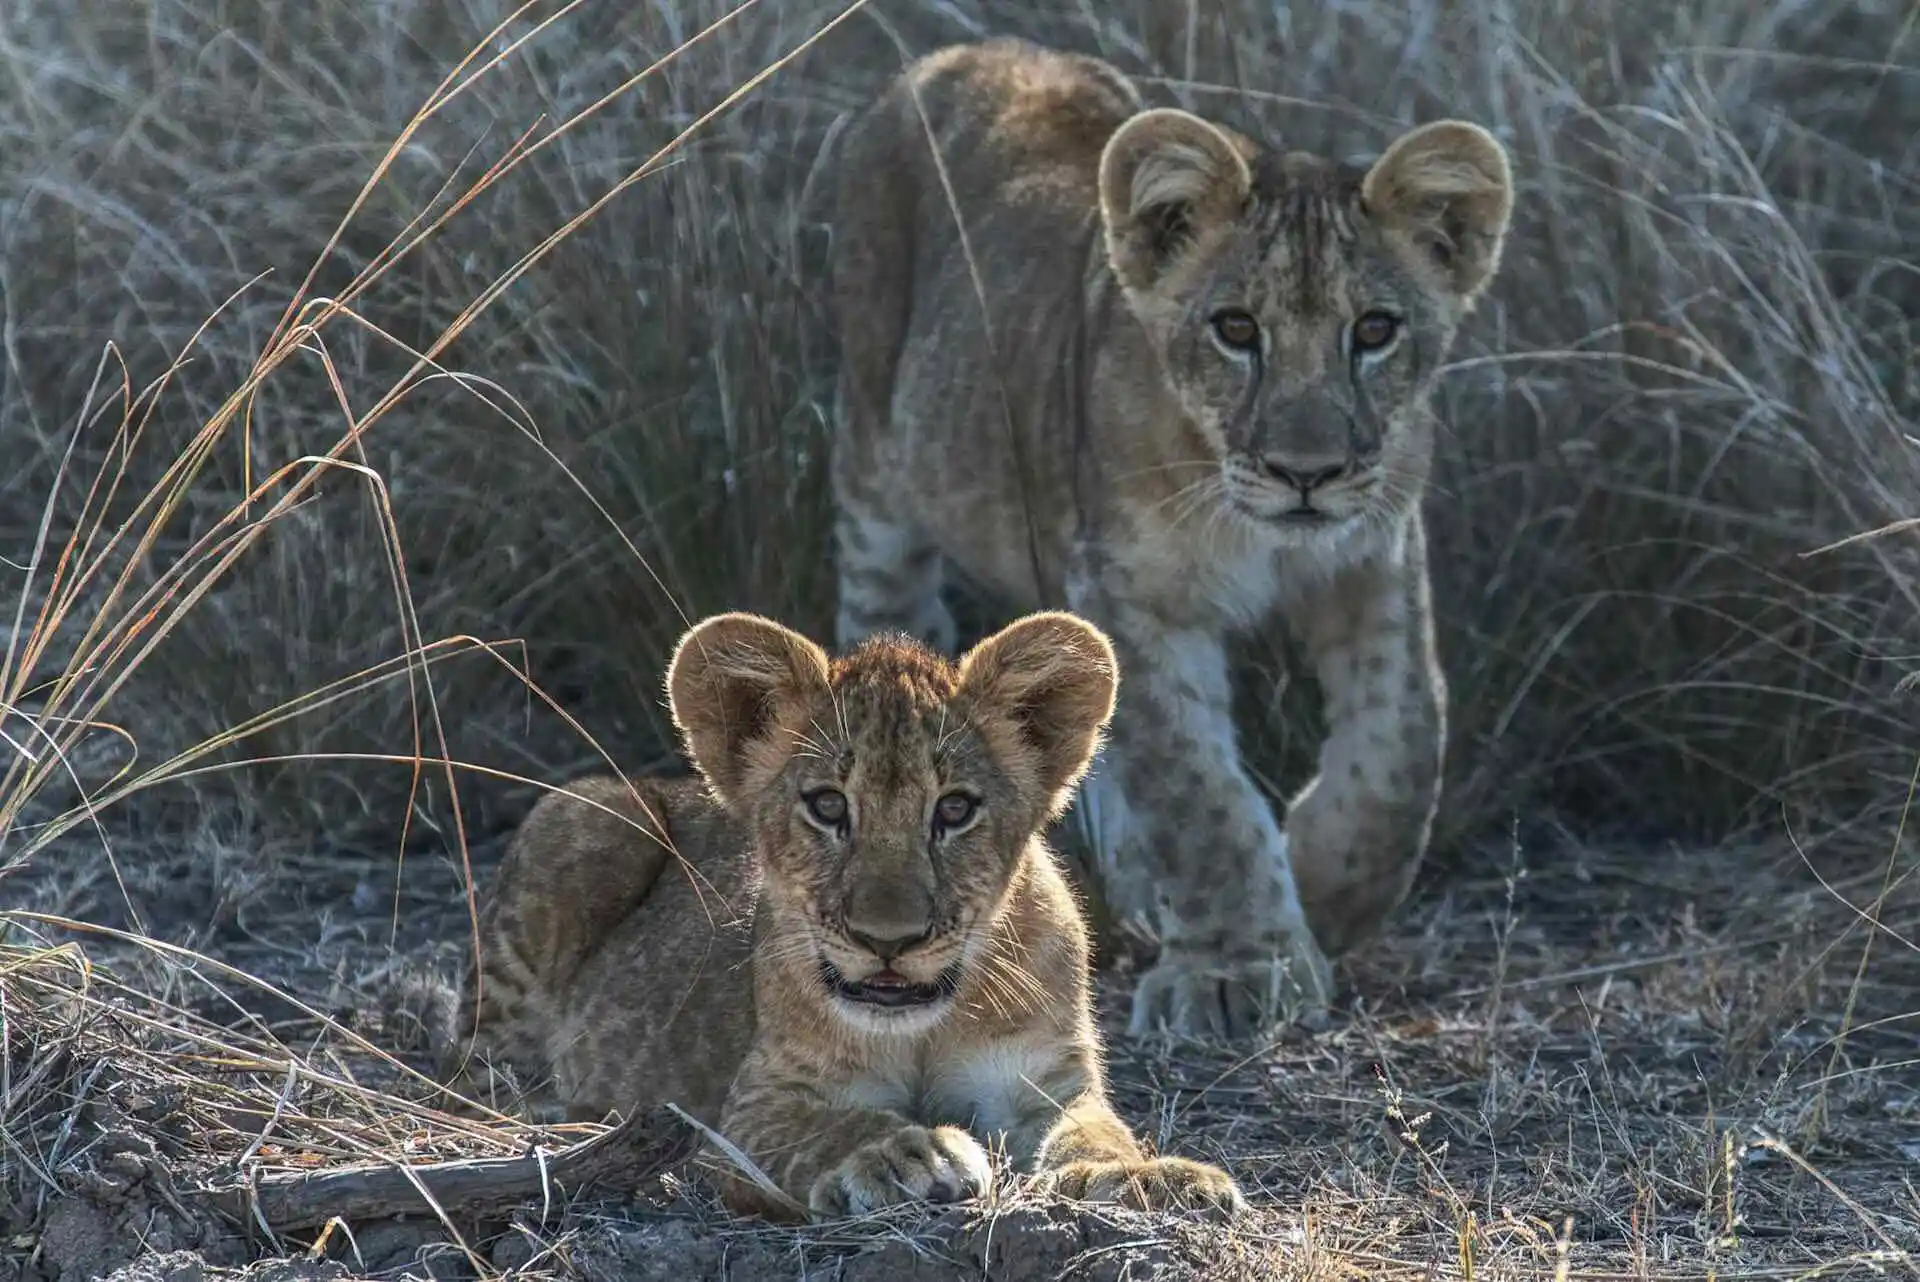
x=1018, y=130
x=614, y=945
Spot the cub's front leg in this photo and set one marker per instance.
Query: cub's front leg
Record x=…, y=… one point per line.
x=1358, y=831
x=836, y=1161
x=1184, y=836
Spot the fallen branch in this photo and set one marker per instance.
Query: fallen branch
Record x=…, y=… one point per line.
x=631, y=1152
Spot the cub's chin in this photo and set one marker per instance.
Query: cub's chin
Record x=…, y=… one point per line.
x=885, y=1001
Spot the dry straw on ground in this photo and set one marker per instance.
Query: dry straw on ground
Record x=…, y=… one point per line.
x=440, y=435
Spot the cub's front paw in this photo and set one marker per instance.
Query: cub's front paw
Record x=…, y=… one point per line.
x=1208, y=994
x=914, y=1164
x=1162, y=1184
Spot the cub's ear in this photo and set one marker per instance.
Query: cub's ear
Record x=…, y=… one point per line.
x=1448, y=187
x=1054, y=675
x=1166, y=176
x=733, y=680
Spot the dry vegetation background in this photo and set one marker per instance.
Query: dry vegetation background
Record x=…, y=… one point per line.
x=414, y=424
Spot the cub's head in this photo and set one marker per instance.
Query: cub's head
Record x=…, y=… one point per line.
x=1300, y=308
x=892, y=793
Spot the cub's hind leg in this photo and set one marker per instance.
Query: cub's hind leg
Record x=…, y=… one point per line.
x=890, y=577
x=581, y=863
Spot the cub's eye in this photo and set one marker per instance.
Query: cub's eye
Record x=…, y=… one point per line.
x=1374, y=330
x=1237, y=330
x=828, y=806
x=953, y=810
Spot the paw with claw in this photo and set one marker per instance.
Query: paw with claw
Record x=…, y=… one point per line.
x=914, y=1164
x=1158, y=1184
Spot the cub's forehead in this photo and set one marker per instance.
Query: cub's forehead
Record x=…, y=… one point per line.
x=1306, y=194
x=1286, y=178
x=893, y=678
x=1310, y=244
x=893, y=719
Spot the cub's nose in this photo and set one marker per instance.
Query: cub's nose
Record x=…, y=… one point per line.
x=1304, y=475
x=888, y=915
x=887, y=946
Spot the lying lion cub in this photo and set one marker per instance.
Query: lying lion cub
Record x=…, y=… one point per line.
x=865, y=963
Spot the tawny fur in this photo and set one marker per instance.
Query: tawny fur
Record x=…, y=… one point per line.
x=1029, y=276
x=649, y=942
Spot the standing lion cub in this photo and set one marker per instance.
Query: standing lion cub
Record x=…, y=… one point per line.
x=847, y=945
x=1129, y=361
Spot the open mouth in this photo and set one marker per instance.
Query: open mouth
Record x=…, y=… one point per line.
x=889, y=989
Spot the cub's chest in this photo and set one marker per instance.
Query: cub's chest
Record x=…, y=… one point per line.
x=1195, y=566
x=989, y=1089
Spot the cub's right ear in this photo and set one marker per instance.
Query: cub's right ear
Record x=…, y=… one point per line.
x=734, y=679
x=1165, y=177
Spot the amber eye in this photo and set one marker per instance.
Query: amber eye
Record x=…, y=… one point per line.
x=1374, y=330
x=1237, y=330
x=953, y=810
x=828, y=806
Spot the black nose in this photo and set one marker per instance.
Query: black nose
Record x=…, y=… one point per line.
x=1305, y=477
x=889, y=946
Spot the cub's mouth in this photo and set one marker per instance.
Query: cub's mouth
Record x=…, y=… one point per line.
x=889, y=989
x=1294, y=515
x=1323, y=506
x=1300, y=514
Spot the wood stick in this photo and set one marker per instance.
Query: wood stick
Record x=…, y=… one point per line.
x=473, y=1188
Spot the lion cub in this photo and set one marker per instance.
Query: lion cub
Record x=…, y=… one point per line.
x=1176, y=379
x=847, y=945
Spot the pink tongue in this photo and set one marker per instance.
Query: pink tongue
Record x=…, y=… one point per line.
x=888, y=979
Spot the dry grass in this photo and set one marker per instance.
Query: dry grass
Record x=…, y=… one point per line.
x=440, y=439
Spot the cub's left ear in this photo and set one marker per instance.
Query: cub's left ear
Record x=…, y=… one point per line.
x=1055, y=676
x=1449, y=188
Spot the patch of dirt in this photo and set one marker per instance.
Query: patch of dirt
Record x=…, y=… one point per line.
x=1028, y=1244
x=122, y=1207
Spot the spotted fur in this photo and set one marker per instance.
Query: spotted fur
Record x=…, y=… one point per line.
x=1032, y=280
